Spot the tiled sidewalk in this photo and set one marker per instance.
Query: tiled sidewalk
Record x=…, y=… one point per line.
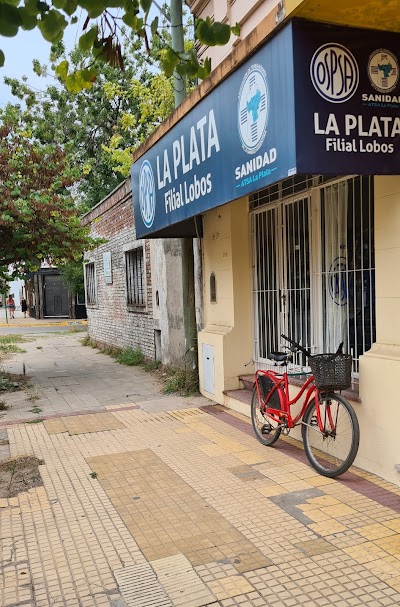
x=184, y=509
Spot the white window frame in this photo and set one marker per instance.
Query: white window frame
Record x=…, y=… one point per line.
x=136, y=306
x=87, y=281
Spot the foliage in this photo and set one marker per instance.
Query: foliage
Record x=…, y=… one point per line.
x=130, y=356
x=180, y=381
x=98, y=128
x=38, y=219
x=102, y=32
x=72, y=273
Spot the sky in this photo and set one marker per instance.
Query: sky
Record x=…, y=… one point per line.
x=26, y=46
x=21, y=50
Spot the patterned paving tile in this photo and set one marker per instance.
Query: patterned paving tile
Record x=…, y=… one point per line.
x=182, y=584
x=166, y=516
x=83, y=424
x=230, y=586
x=317, y=546
x=140, y=587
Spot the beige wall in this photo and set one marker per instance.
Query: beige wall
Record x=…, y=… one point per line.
x=228, y=321
x=379, y=413
x=247, y=13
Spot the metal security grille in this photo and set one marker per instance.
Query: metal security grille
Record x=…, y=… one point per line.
x=348, y=266
x=314, y=280
x=281, y=285
x=90, y=283
x=135, y=277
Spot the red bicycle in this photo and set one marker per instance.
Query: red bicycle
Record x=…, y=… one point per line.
x=329, y=425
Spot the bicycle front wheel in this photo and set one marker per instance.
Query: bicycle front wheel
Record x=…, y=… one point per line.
x=266, y=429
x=332, y=450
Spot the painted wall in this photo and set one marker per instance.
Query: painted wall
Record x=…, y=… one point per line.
x=379, y=413
x=228, y=321
x=248, y=13
x=166, y=267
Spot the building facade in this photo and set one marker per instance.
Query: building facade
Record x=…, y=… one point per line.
x=288, y=155
x=133, y=286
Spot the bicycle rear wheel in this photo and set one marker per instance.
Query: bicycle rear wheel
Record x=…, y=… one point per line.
x=267, y=430
x=332, y=451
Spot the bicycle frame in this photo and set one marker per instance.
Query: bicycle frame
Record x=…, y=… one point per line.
x=281, y=388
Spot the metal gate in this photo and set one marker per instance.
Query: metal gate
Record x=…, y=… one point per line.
x=281, y=276
x=55, y=296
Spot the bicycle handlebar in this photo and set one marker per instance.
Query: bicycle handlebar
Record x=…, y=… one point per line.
x=307, y=352
x=298, y=346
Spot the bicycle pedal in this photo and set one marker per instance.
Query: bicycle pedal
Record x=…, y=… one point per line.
x=266, y=429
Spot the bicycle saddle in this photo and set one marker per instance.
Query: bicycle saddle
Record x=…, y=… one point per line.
x=279, y=357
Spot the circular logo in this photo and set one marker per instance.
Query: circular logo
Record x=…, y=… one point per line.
x=147, y=194
x=253, y=108
x=334, y=73
x=337, y=281
x=383, y=70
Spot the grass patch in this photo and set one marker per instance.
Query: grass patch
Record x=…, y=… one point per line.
x=19, y=474
x=10, y=382
x=11, y=339
x=8, y=345
x=130, y=357
x=77, y=329
x=86, y=341
x=181, y=381
x=151, y=365
x=35, y=410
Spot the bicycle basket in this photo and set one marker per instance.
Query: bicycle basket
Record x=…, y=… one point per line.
x=265, y=385
x=331, y=371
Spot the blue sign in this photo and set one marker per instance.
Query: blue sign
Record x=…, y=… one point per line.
x=347, y=100
x=238, y=139
x=316, y=99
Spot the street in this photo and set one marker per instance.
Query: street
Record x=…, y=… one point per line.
x=155, y=500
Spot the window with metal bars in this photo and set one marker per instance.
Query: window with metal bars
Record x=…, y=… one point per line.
x=90, y=284
x=135, y=280
x=313, y=268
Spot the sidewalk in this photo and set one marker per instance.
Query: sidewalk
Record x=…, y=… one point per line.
x=20, y=321
x=161, y=501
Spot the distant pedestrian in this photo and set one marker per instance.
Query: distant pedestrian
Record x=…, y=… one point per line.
x=24, y=307
x=10, y=303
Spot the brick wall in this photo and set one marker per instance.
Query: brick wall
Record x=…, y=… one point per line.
x=109, y=321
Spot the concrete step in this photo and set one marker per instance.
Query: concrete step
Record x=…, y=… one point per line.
x=239, y=400
x=247, y=381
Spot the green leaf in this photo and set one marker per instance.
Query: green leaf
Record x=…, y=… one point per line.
x=236, y=29
x=70, y=7
x=131, y=20
x=169, y=61
x=146, y=5
x=94, y=8
x=43, y=7
x=154, y=26
x=205, y=69
x=86, y=40
x=2, y=58
x=10, y=20
x=31, y=7
x=204, y=31
x=89, y=75
x=29, y=21
x=62, y=69
x=52, y=25
x=222, y=33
